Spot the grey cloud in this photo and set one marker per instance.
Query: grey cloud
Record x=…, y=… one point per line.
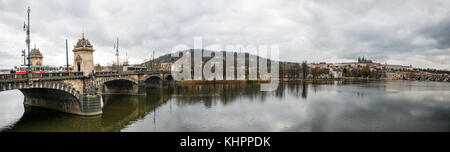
x=305, y=30
x=440, y=32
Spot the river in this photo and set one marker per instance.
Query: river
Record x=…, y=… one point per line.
x=329, y=106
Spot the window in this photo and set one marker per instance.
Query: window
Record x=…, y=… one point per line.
x=78, y=67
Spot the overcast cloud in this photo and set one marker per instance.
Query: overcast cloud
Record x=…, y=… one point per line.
x=397, y=32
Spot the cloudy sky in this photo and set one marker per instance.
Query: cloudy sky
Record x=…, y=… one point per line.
x=397, y=32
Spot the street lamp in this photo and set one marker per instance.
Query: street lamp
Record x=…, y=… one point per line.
x=24, y=57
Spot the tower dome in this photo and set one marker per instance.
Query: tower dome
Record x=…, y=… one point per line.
x=35, y=52
x=83, y=44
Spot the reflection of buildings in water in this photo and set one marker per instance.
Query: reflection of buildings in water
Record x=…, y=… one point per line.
x=398, y=85
x=211, y=94
x=295, y=88
x=304, y=90
x=360, y=94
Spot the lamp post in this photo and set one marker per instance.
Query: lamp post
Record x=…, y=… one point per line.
x=24, y=57
x=67, y=58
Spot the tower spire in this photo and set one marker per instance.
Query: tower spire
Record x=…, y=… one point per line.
x=82, y=32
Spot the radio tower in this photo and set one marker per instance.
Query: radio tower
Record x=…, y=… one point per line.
x=117, y=54
x=26, y=27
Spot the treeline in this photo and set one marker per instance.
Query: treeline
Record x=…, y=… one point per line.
x=291, y=70
x=365, y=71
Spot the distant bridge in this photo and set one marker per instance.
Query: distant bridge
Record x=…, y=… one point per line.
x=78, y=94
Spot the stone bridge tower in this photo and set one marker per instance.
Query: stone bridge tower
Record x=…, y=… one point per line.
x=36, y=56
x=83, y=59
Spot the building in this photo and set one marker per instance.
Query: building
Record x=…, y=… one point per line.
x=335, y=72
x=83, y=56
x=165, y=66
x=363, y=60
x=35, y=56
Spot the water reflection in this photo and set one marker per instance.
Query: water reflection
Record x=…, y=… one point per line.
x=118, y=112
x=295, y=106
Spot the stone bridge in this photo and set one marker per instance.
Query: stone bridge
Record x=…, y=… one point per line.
x=78, y=94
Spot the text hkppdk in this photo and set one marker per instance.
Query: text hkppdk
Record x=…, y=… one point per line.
x=247, y=141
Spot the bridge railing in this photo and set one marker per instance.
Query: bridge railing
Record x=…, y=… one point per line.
x=12, y=76
x=57, y=75
x=40, y=75
x=115, y=73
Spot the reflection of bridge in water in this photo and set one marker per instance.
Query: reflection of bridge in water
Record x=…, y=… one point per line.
x=118, y=113
x=78, y=94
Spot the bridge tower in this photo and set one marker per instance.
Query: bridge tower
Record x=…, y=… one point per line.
x=83, y=56
x=36, y=56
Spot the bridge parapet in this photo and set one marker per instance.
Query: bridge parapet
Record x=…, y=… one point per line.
x=115, y=73
x=40, y=76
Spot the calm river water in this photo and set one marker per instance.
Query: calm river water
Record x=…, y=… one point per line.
x=334, y=106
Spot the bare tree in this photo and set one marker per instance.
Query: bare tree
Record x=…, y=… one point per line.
x=304, y=69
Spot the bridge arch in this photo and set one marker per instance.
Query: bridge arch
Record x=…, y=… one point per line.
x=63, y=87
x=101, y=82
x=153, y=81
x=57, y=96
x=168, y=78
x=120, y=85
x=153, y=77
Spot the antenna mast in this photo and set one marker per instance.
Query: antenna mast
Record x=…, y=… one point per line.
x=27, y=28
x=117, y=54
